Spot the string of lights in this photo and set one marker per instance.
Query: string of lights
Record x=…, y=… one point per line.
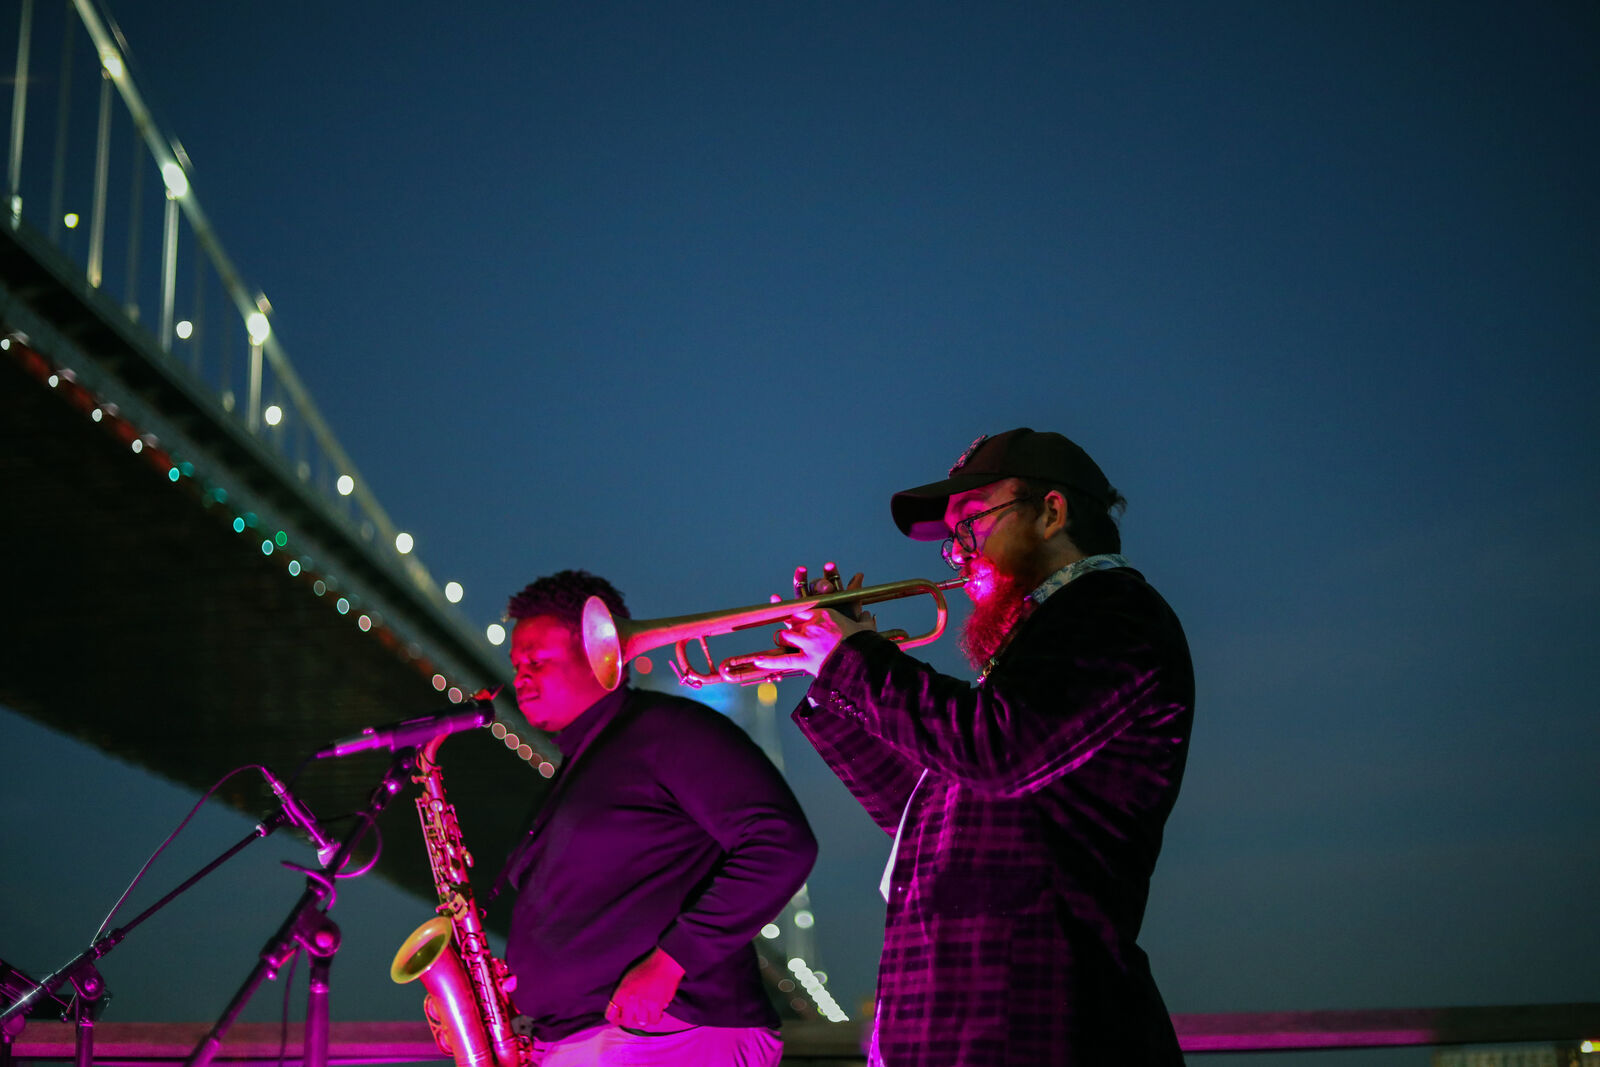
x=168, y=454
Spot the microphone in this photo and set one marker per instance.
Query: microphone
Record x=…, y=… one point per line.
x=413, y=732
x=301, y=816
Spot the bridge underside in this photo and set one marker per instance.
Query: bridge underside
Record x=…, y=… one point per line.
x=139, y=622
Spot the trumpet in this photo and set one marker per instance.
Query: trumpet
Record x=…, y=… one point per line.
x=609, y=642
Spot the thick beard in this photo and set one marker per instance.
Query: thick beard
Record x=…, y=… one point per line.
x=997, y=605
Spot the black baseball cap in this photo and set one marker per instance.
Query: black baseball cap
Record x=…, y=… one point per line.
x=1019, y=453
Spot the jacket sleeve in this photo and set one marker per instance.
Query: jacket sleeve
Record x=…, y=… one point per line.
x=734, y=792
x=1089, y=664
x=880, y=778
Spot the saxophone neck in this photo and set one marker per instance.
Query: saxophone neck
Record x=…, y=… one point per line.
x=427, y=758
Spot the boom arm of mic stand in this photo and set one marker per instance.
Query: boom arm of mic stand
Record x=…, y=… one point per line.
x=89, y=987
x=75, y=966
x=307, y=926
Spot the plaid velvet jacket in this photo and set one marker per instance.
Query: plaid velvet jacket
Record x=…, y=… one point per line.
x=1023, y=868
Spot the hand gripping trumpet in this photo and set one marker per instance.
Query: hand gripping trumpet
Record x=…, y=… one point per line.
x=610, y=642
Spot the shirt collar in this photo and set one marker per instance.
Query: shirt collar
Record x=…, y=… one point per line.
x=575, y=736
x=1077, y=569
x=1047, y=588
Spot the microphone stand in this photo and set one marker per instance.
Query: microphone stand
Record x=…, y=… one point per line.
x=307, y=926
x=88, y=986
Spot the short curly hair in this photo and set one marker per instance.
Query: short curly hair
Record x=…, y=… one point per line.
x=562, y=596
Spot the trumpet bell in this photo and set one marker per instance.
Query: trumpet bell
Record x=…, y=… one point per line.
x=601, y=642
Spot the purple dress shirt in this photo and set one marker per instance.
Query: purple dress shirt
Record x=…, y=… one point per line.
x=667, y=827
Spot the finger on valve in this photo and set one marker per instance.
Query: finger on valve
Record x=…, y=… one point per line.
x=830, y=577
x=832, y=582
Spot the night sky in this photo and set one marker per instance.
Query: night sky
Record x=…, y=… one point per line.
x=681, y=293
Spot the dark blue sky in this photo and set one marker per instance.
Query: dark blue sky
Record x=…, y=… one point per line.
x=681, y=293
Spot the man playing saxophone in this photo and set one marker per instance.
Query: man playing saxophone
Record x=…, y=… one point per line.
x=1026, y=809
x=667, y=841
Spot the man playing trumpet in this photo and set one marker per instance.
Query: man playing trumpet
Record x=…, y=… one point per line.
x=1026, y=809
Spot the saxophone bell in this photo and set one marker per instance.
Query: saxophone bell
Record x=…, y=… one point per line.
x=468, y=1004
x=451, y=1005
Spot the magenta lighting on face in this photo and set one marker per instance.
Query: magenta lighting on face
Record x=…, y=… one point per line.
x=980, y=579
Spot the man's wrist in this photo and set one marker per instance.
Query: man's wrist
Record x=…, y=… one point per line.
x=664, y=960
x=831, y=660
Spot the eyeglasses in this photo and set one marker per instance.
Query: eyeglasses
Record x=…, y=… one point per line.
x=964, y=536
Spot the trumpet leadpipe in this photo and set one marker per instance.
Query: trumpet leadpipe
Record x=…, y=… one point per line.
x=610, y=643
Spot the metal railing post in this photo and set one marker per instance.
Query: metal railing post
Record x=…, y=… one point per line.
x=130, y=302
x=253, y=413
x=58, y=175
x=19, y=110
x=102, y=173
x=169, y=272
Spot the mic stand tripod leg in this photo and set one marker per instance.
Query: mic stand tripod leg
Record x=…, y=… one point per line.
x=306, y=925
x=83, y=1049
x=320, y=947
x=88, y=986
x=80, y=969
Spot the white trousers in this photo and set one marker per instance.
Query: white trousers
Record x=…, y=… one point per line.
x=676, y=1044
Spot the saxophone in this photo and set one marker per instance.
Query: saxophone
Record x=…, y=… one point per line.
x=468, y=1005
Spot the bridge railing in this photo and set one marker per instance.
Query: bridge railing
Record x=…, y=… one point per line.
x=93, y=172
x=1567, y=1026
